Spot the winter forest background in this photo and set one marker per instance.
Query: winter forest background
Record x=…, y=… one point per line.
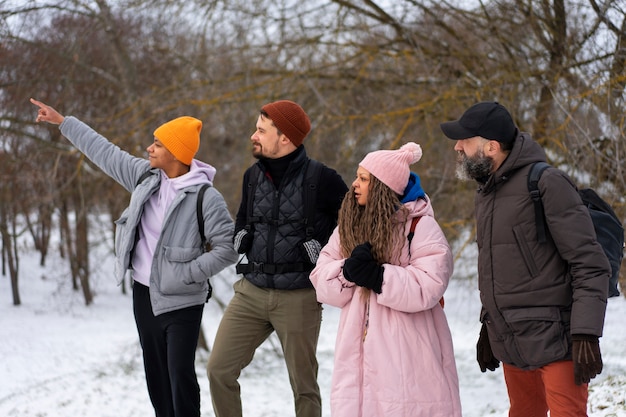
x=371, y=74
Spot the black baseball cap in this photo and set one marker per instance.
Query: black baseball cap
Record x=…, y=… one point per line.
x=488, y=119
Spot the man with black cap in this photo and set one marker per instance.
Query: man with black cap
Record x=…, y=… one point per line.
x=543, y=304
x=281, y=246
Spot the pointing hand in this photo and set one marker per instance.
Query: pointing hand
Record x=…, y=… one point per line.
x=47, y=113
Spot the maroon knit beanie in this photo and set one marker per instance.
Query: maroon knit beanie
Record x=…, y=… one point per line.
x=290, y=119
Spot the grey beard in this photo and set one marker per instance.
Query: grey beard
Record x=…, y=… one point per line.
x=477, y=168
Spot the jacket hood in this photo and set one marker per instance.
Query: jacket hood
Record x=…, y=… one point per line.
x=199, y=173
x=420, y=207
x=525, y=151
x=413, y=190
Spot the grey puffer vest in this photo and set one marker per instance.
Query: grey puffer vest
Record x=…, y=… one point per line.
x=275, y=257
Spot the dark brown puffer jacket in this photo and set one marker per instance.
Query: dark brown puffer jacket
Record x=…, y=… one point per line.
x=536, y=295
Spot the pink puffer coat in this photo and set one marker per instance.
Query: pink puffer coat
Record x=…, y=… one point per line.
x=405, y=367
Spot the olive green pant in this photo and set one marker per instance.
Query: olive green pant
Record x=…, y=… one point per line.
x=250, y=318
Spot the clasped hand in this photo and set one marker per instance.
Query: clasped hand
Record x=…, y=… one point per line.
x=362, y=269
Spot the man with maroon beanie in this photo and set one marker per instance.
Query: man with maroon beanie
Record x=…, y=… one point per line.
x=275, y=293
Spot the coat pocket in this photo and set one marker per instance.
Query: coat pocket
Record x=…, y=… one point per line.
x=176, y=271
x=525, y=251
x=538, y=335
x=120, y=231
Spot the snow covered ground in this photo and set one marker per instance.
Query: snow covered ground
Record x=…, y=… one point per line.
x=60, y=358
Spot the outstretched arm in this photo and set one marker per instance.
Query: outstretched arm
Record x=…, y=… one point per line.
x=47, y=113
x=120, y=165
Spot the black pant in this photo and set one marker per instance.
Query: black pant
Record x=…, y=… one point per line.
x=169, y=347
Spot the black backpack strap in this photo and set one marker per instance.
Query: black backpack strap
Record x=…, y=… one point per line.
x=200, y=218
x=533, y=188
x=199, y=214
x=409, y=237
x=143, y=177
x=311, y=182
x=412, y=231
x=253, y=179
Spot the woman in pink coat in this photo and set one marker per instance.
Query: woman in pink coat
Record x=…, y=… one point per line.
x=393, y=354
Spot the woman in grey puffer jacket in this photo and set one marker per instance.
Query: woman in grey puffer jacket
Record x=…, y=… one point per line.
x=158, y=241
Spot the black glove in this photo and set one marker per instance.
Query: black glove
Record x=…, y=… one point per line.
x=586, y=357
x=362, y=269
x=242, y=241
x=311, y=250
x=484, y=355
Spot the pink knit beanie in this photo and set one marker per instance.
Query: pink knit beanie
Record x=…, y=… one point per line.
x=392, y=167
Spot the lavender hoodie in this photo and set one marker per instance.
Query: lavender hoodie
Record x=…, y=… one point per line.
x=154, y=213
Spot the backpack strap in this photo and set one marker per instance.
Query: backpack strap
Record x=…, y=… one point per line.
x=414, y=222
x=534, y=175
x=412, y=230
x=199, y=214
x=311, y=181
x=252, y=184
x=200, y=218
x=143, y=177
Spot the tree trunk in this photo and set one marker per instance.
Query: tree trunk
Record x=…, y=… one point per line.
x=558, y=53
x=40, y=230
x=14, y=262
x=67, y=244
x=9, y=251
x=81, y=240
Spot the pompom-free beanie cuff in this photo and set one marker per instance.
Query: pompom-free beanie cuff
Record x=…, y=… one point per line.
x=290, y=119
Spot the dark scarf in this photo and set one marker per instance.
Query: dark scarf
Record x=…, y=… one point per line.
x=276, y=168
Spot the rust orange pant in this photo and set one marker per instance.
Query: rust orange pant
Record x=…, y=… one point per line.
x=551, y=387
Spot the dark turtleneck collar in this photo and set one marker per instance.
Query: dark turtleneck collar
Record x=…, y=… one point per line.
x=276, y=168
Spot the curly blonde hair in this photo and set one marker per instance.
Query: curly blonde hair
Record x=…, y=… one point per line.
x=377, y=222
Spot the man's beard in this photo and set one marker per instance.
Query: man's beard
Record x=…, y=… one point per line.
x=476, y=168
x=268, y=151
x=257, y=150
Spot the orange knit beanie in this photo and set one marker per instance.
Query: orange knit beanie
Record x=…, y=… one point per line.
x=181, y=137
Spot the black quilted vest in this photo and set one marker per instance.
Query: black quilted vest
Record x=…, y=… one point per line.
x=275, y=259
